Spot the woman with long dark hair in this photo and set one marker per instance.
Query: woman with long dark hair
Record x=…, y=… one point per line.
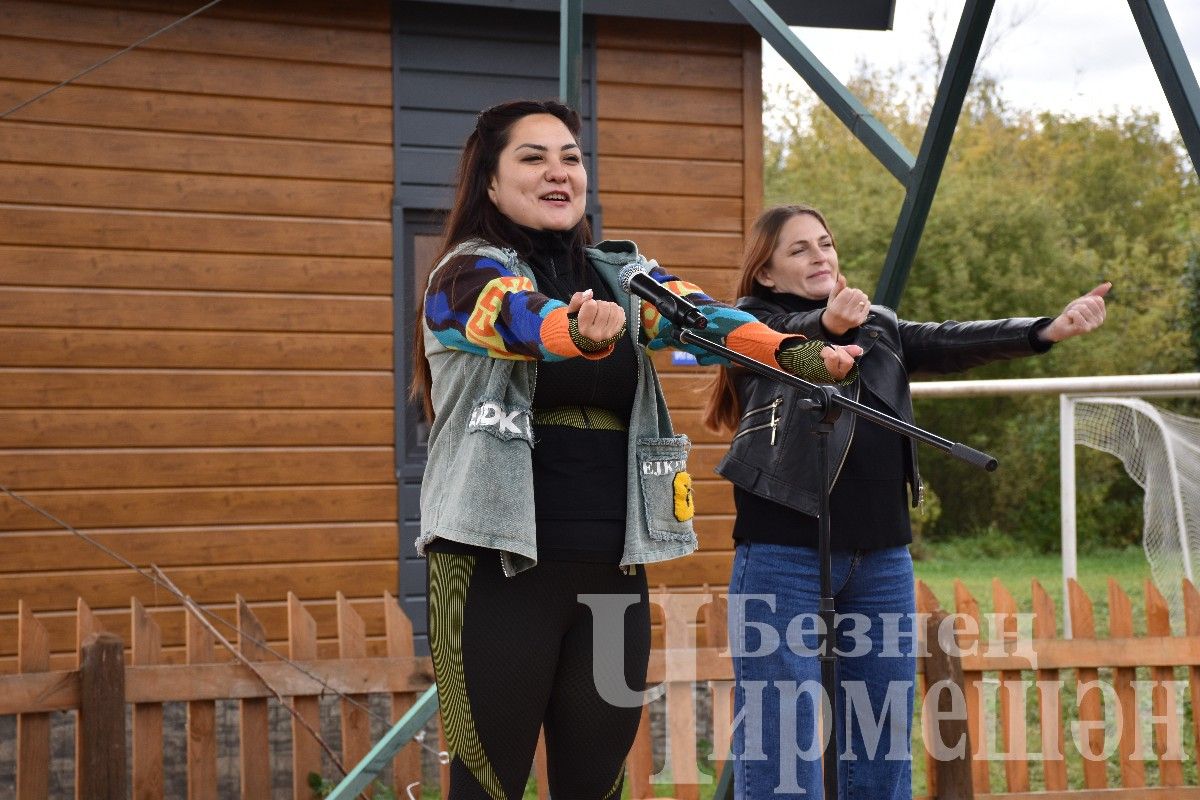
x=792, y=282
x=553, y=472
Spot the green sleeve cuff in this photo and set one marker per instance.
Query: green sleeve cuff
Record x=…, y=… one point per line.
x=803, y=359
x=587, y=345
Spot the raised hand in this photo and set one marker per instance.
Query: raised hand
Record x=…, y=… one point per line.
x=598, y=319
x=1082, y=315
x=846, y=309
x=839, y=359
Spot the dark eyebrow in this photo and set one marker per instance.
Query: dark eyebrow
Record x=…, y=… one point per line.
x=542, y=148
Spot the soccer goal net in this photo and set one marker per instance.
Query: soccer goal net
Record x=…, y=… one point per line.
x=1161, y=453
x=1160, y=450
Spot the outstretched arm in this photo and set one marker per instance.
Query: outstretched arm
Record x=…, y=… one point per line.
x=1082, y=315
x=476, y=305
x=740, y=331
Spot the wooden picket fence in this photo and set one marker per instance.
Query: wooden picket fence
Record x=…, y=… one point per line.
x=108, y=677
x=1064, y=667
x=104, y=683
x=984, y=668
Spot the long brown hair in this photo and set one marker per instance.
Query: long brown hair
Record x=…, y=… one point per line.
x=475, y=216
x=724, y=407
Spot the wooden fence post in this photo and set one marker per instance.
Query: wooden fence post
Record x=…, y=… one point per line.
x=1012, y=695
x=1120, y=626
x=102, y=717
x=254, y=742
x=953, y=774
x=148, y=780
x=398, y=627
x=640, y=764
x=85, y=625
x=33, y=730
x=201, y=717
x=356, y=724
x=541, y=768
x=1191, y=611
x=977, y=711
x=1049, y=697
x=1158, y=623
x=927, y=603
x=306, y=751
x=716, y=630
x=1091, y=706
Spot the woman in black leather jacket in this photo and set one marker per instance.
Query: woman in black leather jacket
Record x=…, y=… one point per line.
x=791, y=281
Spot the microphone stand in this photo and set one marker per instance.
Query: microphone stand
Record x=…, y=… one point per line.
x=826, y=406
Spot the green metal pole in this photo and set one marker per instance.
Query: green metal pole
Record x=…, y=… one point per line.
x=1174, y=72
x=724, y=790
x=382, y=753
x=946, y=107
x=853, y=114
x=570, y=52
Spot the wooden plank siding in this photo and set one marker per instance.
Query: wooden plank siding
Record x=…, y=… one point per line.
x=196, y=323
x=679, y=123
x=196, y=354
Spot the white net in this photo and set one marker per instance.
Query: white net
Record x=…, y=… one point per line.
x=1161, y=452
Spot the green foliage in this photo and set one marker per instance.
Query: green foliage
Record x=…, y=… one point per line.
x=1032, y=211
x=1191, y=287
x=321, y=787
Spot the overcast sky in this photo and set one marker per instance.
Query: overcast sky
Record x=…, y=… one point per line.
x=1079, y=56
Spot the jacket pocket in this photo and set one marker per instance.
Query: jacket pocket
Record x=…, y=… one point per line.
x=763, y=418
x=502, y=421
x=666, y=487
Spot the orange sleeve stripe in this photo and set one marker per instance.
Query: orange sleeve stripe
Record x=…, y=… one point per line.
x=556, y=337
x=756, y=340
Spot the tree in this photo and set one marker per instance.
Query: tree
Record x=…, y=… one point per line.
x=1032, y=211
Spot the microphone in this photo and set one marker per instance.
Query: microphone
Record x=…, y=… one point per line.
x=634, y=280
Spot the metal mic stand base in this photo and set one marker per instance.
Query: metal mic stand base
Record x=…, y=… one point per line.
x=826, y=413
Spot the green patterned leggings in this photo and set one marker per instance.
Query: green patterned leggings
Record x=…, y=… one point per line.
x=514, y=654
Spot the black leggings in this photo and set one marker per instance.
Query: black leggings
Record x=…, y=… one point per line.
x=514, y=654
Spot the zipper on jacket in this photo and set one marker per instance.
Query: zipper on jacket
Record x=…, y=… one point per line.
x=849, y=439
x=773, y=423
x=894, y=355
x=912, y=445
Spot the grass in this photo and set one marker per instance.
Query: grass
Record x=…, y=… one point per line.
x=971, y=563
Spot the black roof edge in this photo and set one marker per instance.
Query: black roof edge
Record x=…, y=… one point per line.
x=875, y=15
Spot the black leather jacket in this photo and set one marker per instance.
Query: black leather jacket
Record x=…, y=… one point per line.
x=772, y=454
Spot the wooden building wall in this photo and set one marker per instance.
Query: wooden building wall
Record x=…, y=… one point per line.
x=196, y=318
x=680, y=126
x=195, y=306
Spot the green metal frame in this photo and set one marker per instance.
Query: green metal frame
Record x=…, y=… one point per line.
x=1174, y=72
x=853, y=114
x=570, y=52
x=376, y=761
x=919, y=175
x=922, y=186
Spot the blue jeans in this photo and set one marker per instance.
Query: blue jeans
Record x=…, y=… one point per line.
x=774, y=599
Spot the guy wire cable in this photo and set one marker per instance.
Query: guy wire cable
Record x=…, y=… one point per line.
x=189, y=603
x=107, y=59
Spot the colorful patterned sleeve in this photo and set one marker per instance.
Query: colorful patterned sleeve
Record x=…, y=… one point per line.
x=477, y=305
x=736, y=329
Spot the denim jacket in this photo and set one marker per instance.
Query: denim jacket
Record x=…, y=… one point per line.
x=478, y=482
